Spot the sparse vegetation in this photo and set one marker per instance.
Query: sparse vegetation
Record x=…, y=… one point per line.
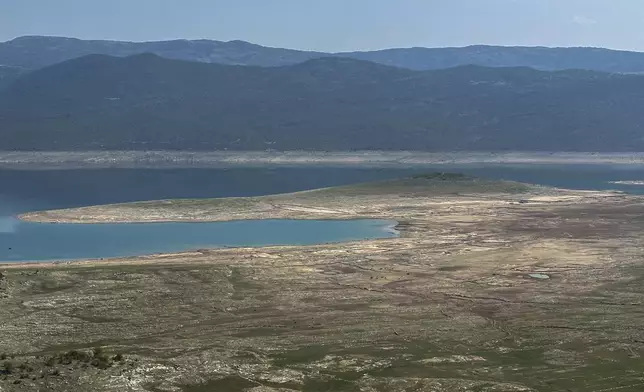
x=24, y=367
x=100, y=360
x=438, y=309
x=96, y=358
x=471, y=116
x=442, y=176
x=8, y=367
x=74, y=356
x=39, y=369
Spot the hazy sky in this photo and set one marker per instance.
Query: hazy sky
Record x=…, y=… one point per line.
x=337, y=25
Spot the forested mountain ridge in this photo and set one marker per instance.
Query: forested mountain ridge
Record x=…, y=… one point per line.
x=33, y=52
x=147, y=102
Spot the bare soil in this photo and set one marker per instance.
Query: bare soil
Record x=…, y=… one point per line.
x=449, y=306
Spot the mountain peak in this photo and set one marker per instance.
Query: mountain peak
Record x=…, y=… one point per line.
x=40, y=39
x=34, y=52
x=242, y=43
x=149, y=102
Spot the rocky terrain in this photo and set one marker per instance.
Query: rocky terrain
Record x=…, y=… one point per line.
x=491, y=286
x=185, y=159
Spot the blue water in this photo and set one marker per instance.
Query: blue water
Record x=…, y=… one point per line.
x=24, y=241
x=578, y=176
x=24, y=191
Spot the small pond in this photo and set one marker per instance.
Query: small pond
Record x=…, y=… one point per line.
x=25, y=241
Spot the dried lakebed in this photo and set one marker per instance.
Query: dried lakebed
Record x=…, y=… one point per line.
x=456, y=303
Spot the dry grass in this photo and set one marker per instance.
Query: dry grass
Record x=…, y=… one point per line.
x=448, y=306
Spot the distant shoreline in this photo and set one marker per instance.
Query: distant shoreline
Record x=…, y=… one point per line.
x=628, y=182
x=185, y=159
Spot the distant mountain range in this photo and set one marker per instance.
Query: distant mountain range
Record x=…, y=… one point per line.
x=148, y=102
x=35, y=52
x=9, y=74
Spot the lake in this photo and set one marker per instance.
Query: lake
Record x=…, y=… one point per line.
x=23, y=191
x=24, y=241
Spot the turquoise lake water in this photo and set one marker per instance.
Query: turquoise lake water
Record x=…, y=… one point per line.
x=25, y=241
x=24, y=190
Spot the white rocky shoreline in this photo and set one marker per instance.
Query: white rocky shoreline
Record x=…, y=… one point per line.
x=164, y=159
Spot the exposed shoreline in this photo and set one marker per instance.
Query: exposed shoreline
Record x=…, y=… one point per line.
x=487, y=279
x=634, y=183
x=336, y=203
x=182, y=159
x=343, y=202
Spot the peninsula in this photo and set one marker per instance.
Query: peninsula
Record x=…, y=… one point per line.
x=491, y=286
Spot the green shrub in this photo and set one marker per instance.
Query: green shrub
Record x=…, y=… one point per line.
x=101, y=363
x=74, y=356
x=8, y=367
x=442, y=176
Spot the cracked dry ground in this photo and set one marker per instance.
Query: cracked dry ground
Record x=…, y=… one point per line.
x=449, y=306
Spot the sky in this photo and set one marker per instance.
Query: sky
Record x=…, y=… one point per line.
x=336, y=25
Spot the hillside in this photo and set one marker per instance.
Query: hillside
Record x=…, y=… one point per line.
x=541, y=58
x=146, y=102
x=9, y=74
x=35, y=52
